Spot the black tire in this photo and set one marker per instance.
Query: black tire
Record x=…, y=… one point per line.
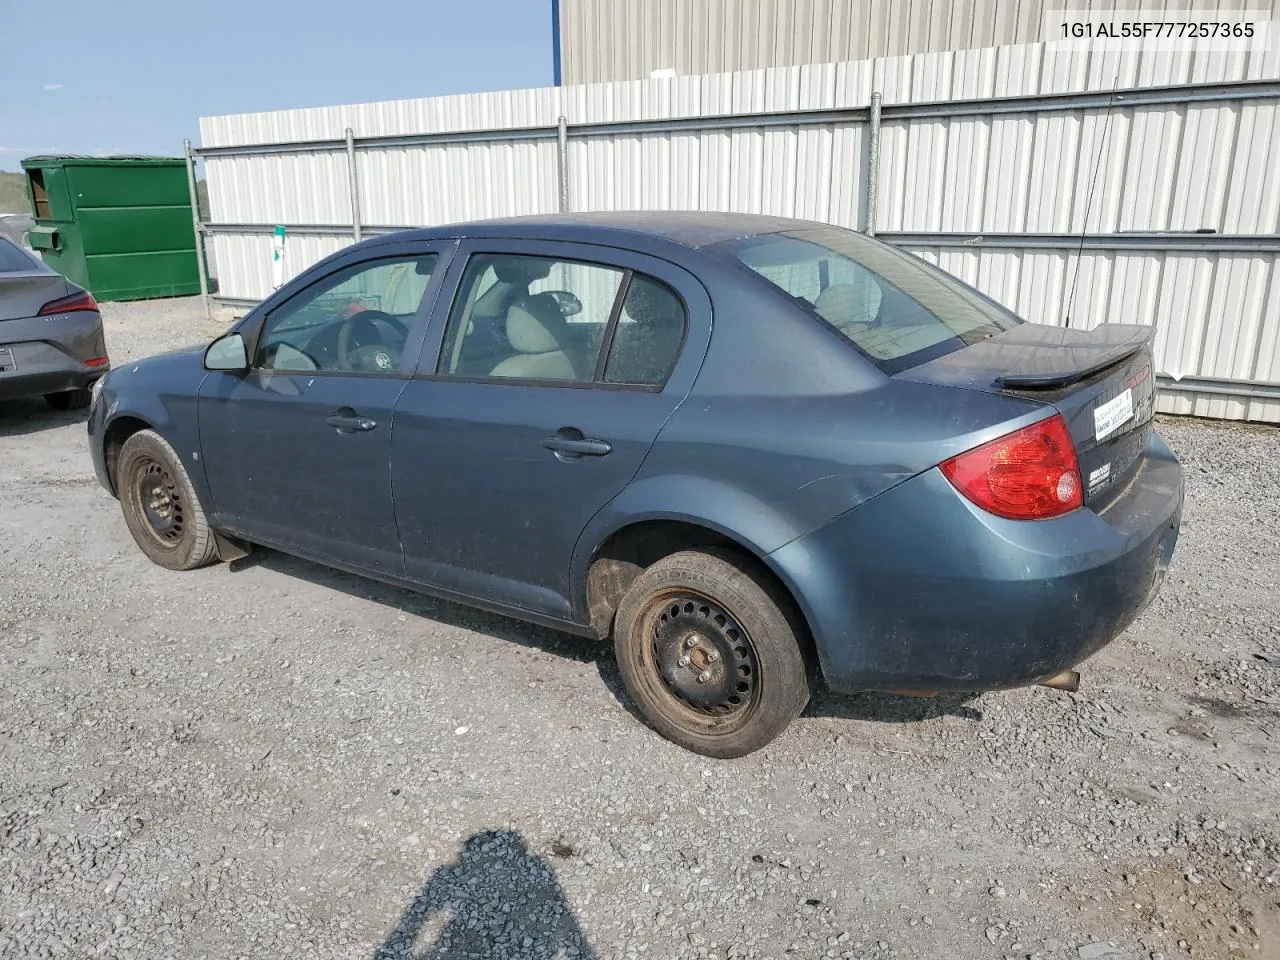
x=696, y=602
x=69, y=399
x=160, y=505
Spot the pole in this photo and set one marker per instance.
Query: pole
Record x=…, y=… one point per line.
x=356, y=231
x=198, y=227
x=873, y=164
x=562, y=154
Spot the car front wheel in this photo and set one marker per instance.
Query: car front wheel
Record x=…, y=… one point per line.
x=160, y=505
x=711, y=654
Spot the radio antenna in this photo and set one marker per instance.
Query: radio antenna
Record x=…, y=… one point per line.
x=1088, y=203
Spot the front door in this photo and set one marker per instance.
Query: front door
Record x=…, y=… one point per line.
x=558, y=366
x=297, y=451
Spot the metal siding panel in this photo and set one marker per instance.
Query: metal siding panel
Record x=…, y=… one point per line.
x=1198, y=190
x=779, y=187
x=1088, y=291
x=1235, y=312
x=1253, y=184
x=1040, y=298
x=1266, y=364
x=973, y=74
x=1154, y=144
x=999, y=274
x=1056, y=143
x=1018, y=70
x=1006, y=174
x=244, y=261
x=815, y=163
x=1098, y=171
x=1183, y=300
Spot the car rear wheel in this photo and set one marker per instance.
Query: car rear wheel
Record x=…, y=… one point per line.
x=69, y=399
x=160, y=505
x=711, y=654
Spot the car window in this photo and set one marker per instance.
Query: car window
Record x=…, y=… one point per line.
x=529, y=318
x=649, y=334
x=355, y=321
x=13, y=259
x=896, y=310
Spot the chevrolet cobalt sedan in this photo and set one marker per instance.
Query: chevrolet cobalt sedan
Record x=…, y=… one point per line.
x=753, y=452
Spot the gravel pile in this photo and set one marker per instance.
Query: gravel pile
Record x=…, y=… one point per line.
x=272, y=759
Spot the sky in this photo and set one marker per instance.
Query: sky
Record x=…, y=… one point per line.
x=135, y=76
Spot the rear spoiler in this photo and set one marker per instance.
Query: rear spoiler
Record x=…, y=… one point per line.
x=1080, y=354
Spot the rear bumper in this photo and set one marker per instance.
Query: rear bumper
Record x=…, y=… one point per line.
x=49, y=353
x=39, y=384
x=920, y=589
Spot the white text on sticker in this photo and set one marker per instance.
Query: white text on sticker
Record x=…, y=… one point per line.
x=1110, y=416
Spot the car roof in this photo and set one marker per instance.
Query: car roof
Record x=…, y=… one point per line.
x=623, y=228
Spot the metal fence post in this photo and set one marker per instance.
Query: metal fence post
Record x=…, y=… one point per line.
x=198, y=226
x=562, y=155
x=873, y=163
x=357, y=231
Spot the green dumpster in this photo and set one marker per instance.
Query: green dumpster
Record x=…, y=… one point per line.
x=118, y=226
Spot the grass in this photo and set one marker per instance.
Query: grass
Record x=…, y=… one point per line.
x=13, y=193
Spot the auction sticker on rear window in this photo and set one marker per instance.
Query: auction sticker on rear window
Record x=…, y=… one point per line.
x=1110, y=416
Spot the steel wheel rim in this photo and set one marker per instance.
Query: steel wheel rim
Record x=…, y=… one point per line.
x=700, y=659
x=159, y=503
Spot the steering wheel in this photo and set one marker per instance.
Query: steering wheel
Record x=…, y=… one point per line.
x=347, y=355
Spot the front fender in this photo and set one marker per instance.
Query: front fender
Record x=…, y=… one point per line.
x=161, y=393
x=713, y=504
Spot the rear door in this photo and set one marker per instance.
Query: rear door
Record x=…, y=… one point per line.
x=526, y=418
x=297, y=451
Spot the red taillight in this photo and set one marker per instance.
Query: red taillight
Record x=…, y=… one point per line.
x=97, y=362
x=77, y=301
x=1031, y=474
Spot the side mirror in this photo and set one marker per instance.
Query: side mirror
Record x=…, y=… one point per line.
x=227, y=354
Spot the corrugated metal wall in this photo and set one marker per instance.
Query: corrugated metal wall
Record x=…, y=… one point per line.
x=629, y=39
x=949, y=186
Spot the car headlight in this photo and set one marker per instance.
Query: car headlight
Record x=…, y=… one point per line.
x=95, y=390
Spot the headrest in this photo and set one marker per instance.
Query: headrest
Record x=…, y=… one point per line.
x=521, y=270
x=844, y=303
x=533, y=324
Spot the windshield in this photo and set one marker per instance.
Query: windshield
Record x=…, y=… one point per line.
x=898, y=311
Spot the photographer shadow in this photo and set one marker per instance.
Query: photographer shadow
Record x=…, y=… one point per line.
x=498, y=900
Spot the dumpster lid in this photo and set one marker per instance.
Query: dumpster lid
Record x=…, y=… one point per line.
x=85, y=159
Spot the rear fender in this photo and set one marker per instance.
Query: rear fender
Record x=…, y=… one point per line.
x=713, y=505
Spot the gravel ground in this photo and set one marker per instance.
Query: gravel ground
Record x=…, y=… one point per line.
x=270, y=759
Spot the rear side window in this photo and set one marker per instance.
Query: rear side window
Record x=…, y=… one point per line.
x=649, y=334
x=12, y=259
x=897, y=311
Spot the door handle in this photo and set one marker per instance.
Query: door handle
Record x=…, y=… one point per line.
x=352, y=423
x=571, y=447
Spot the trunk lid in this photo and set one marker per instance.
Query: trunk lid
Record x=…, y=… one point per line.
x=22, y=294
x=1100, y=380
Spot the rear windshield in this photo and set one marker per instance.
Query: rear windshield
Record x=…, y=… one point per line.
x=12, y=259
x=898, y=311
